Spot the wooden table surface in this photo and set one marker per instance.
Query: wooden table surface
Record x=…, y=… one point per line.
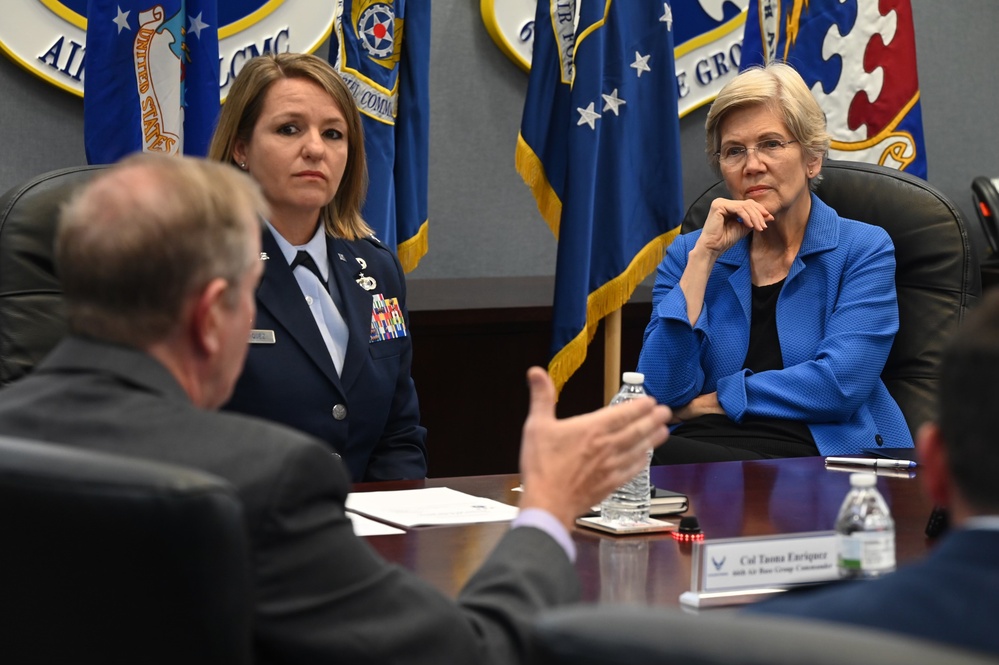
x=730, y=499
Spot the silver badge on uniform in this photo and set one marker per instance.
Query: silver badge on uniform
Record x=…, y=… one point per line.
x=367, y=283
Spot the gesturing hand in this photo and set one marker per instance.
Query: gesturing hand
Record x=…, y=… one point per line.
x=569, y=465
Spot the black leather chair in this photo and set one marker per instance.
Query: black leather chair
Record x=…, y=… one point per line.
x=109, y=560
x=627, y=635
x=937, y=275
x=32, y=318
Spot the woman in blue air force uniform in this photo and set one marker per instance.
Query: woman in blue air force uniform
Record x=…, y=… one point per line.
x=771, y=325
x=330, y=353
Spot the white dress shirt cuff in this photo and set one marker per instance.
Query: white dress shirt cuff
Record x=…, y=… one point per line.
x=542, y=519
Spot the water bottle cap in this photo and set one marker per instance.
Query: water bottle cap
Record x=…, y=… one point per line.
x=863, y=480
x=634, y=378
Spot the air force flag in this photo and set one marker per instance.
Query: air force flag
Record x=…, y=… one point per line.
x=152, y=80
x=382, y=52
x=600, y=148
x=859, y=59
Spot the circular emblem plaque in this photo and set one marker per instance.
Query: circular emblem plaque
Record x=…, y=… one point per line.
x=49, y=37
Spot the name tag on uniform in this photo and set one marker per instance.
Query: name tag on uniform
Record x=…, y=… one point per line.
x=262, y=337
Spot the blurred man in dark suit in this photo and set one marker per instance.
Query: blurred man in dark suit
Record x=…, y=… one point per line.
x=953, y=595
x=159, y=258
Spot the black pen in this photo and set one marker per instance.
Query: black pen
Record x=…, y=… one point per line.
x=877, y=463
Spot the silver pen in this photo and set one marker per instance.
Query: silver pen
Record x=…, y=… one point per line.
x=877, y=471
x=877, y=462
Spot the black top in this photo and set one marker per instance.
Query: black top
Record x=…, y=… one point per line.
x=769, y=436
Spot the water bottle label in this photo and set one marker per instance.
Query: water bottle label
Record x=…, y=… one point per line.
x=867, y=551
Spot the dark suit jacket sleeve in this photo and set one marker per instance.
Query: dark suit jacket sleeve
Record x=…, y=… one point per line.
x=401, y=452
x=324, y=596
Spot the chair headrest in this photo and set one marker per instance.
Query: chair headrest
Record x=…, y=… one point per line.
x=32, y=317
x=113, y=559
x=607, y=635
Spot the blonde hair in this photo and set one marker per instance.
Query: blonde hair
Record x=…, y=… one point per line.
x=144, y=235
x=244, y=104
x=781, y=89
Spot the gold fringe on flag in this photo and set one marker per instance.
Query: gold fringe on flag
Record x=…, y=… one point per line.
x=531, y=169
x=607, y=298
x=412, y=250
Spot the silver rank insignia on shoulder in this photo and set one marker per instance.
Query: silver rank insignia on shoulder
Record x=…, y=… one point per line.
x=362, y=262
x=367, y=283
x=263, y=256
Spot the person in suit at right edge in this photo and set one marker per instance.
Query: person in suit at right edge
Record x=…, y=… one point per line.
x=953, y=595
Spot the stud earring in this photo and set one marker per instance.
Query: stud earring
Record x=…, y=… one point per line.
x=242, y=165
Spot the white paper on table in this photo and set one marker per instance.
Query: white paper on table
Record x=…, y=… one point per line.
x=430, y=506
x=367, y=527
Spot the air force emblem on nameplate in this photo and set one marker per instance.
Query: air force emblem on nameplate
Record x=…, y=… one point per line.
x=387, y=321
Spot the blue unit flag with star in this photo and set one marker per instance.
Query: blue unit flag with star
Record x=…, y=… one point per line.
x=600, y=148
x=382, y=52
x=859, y=59
x=152, y=79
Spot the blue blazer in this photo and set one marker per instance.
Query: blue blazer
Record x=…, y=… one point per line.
x=837, y=316
x=370, y=414
x=951, y=596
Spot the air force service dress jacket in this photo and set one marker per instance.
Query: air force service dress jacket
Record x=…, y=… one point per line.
x=837, y=315
x=369, y=414
x=322, y=594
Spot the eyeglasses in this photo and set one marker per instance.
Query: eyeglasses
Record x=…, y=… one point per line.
x=734, y=156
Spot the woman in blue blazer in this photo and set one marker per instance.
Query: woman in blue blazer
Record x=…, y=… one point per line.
x=330, y=352
x=771, y=325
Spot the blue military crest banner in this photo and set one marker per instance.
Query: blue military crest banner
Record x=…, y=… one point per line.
x=859, y=59
x=600, y=148
x=707, y=47
x=152, y=80
x=382, y=52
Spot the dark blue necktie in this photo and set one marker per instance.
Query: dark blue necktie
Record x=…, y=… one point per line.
x=303, y=258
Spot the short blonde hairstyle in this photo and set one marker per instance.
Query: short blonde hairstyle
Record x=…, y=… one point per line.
x=245, y=102
x=781, y=89
x=142, y=237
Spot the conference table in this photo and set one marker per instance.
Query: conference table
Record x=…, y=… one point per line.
x=730, y=499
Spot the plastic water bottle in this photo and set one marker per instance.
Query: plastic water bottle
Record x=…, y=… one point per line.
x=865, y=530
x=629, y=504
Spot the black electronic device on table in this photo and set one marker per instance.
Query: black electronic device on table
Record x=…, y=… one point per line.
x=664, y=502
x=985, y=192
x=938, y=523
